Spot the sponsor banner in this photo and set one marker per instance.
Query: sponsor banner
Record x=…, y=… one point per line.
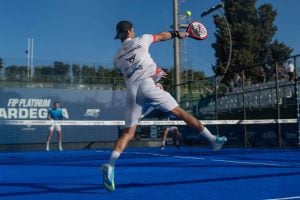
x=34, y=103
x=24, y=111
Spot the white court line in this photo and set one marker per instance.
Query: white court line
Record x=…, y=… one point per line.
x=155, y=154
x=250, y=163
x=215, y=160
x=285, y=198
x=189, y=157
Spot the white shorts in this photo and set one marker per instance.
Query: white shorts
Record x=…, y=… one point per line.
x=55, y=126
x=171, y=131
x=172, y=128
x=146, y=93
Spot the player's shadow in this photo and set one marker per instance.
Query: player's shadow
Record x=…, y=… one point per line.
x=168, y=183
x=45, y=188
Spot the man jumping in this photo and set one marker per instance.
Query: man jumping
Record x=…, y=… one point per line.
x=138, y=68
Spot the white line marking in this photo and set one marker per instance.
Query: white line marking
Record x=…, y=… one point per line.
x=250, y=163
x=155, y=154
x=284, y=198
x=188, y=157
x=215, y=160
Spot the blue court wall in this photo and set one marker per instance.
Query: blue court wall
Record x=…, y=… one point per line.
x=33, y=104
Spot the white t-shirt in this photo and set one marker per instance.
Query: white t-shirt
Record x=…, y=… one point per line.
x=290, y=67
x=133, y=59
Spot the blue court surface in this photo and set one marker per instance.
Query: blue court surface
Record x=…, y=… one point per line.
x=149, y=173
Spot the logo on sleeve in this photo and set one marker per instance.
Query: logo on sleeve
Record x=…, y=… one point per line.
x=131, y=59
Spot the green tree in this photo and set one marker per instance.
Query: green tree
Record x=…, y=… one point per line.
x=11, y=73
x=88, y=74
x=1, y=67
x=22, y=73
x=61, y=71
x=266, y=16
x=44, y=74
x=101, y=71
x=76, y=72
x=278, y=52
x=252, y=34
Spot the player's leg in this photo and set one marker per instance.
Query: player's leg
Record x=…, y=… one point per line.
x=166, y=131
x=132, y=115
x=121, y=143
x=59, y=136
x=165, y=102
x=177, y=138
x=108, y=169
x=215, y=141
x=49, y=138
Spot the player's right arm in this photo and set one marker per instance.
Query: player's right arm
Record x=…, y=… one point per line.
x=49, y=115
x=163, y=36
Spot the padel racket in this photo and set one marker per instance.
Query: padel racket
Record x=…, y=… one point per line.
x=197, y=31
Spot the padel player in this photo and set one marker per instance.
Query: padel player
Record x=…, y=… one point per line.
x=135, y=63
x=55, y=114
x=173, y=132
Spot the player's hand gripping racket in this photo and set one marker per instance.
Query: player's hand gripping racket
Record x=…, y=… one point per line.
x=197, y=31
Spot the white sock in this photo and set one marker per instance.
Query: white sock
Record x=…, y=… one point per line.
x=207, y=134
x=59, y=145
x=113, y=158
x=164, y=143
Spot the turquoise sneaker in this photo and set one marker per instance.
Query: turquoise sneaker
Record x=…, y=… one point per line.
x=218, y=144
x=108, y=177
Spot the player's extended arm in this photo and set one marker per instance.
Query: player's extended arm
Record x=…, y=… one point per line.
x=49, y=116
x=163, y=36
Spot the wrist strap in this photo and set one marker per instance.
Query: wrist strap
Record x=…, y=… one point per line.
x=175, y=34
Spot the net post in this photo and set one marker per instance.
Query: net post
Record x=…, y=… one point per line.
x=296, y=88
x=280, y=141
x=246, y=142
x=216, y=104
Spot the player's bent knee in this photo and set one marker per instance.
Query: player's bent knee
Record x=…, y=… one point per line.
x=129, y=132
x=179, y=112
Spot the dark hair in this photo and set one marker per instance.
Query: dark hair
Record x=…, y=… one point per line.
x=122, y=28
x=55, y=102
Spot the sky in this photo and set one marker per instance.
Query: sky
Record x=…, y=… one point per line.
x=82, y=31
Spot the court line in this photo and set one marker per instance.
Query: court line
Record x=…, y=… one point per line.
x=212, y=159
x=251, y=163
x=285, y=198
x=216, y=160
x=189, y=157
